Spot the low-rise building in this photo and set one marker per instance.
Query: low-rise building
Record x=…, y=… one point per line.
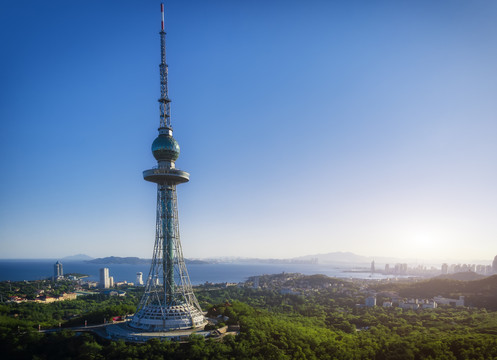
x=370, y=301
x=452, y=302
x=409, y=305
x=287, y=291
x=429, y=304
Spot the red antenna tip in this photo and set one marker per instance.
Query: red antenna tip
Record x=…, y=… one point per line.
x=162, y=13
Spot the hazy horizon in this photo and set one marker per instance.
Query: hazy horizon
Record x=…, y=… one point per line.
x=378, y=259
x=307, y=128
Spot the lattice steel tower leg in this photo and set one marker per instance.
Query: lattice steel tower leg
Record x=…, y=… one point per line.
x=168, y=302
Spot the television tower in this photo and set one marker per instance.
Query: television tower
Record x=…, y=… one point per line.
x=168, y=302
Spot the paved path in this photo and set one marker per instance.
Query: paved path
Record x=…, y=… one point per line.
x=95, y=328
x=119, y=330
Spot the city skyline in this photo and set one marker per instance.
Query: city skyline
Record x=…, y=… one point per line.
x=362, y=127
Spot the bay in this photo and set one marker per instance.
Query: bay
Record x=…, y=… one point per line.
x=37, y=269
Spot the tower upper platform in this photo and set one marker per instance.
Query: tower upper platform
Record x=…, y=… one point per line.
x=166, y=175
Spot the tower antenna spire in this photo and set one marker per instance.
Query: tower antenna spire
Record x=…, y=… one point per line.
x=165, y=102
x=162, y=13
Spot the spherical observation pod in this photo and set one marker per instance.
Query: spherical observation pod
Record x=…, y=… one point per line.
x=165, y=148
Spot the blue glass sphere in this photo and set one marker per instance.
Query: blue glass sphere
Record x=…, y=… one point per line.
x=165, y=147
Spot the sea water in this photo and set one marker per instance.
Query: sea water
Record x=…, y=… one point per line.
x=30, y=269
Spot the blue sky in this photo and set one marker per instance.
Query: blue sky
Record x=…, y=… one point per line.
x=307, y=127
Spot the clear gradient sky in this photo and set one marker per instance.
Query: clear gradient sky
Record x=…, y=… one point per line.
x=307, y=126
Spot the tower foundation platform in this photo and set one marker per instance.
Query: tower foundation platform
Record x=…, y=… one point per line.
x=127, y=333
x=168, y=318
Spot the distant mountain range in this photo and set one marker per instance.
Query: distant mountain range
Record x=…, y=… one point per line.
x=341, y=259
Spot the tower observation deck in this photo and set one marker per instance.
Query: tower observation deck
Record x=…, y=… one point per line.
x=168, y=302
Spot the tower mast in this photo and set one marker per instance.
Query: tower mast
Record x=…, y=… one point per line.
x=165, y=102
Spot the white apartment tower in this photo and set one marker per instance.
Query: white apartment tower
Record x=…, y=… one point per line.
x=139, y=278
x=104, y=278
x=58, y=271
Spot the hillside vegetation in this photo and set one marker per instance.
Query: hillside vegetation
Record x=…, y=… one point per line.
x=321, y=323
x=478, y=293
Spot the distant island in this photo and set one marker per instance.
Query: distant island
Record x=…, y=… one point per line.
x=77, y=257
x=133, y=261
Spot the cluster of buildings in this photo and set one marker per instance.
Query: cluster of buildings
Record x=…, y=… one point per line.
x=297, y=284
x=415, y=304
x=58, y=273
x=50, y=299
x=44, y=299
x=397, y=269
x=479, y=269
x=404, y=269
x=106, y=281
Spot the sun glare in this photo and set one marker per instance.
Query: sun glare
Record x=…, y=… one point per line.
x=427, y=245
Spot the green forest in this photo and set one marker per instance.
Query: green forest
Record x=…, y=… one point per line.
x=320, y=323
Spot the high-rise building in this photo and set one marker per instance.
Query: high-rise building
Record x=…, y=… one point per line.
x=256, y=282
x=139, y=278
x=372, y=267
x=111, y=281
x=445, y=268
x=494, y=264
x=58, y=271
x=104, y=278
x=168, y=302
